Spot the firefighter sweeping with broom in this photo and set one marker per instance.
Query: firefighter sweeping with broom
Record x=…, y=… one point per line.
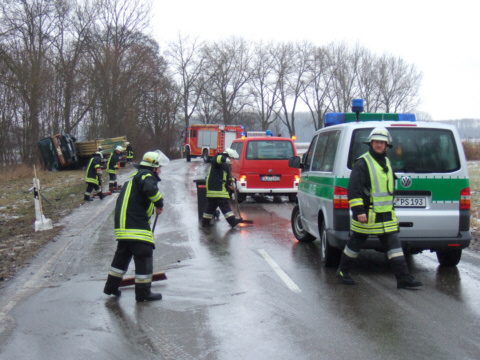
x=136, y=203
x=218, y=179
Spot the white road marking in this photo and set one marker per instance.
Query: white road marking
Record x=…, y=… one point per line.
x=285, y=278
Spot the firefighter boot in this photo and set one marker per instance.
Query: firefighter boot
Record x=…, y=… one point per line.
x=233, y=221
x=87, y=198
x=343, y=272
x=101, y=195
x=111, y=286
x=143, y=293
x=400, y=270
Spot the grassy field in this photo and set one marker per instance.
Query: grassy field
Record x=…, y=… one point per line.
x=64, y=192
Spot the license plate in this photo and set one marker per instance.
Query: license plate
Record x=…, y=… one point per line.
x=270, y=178
x=410, y=202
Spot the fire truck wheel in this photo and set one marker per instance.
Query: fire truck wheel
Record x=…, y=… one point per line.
x=189, y=157
x=205, y=156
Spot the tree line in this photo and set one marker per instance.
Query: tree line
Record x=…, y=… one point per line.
x=91, y=69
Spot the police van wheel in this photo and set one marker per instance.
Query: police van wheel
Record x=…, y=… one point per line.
x=449, y=257
x=330, y=255
x=297, y=227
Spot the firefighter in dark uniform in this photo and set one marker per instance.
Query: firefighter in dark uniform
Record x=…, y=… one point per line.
x=370, y=196
x=129, y=150
x=137, y=201
x=218, y=179
x=112, y=168
x=93, y=177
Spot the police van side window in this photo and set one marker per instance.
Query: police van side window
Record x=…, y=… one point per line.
x=324, y=155
x=307, y=157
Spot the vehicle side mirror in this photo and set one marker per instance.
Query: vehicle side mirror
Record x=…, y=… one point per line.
x=294, y=162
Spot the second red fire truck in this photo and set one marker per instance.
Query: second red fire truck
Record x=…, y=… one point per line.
x=207, y=141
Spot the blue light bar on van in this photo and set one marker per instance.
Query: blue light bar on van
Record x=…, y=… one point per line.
x=342, y=118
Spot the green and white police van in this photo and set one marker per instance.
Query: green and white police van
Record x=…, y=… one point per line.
x=432, y=193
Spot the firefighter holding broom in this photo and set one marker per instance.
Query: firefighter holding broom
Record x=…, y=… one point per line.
x=218, y=179
x=136, y=203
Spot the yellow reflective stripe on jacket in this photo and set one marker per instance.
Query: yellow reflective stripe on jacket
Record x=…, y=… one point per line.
x=123, y=211
x=154, y=198
x=356, y=202
x=382, y=185
x=134, y=234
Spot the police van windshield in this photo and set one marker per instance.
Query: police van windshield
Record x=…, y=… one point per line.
x=269, y=150
x=414, y=150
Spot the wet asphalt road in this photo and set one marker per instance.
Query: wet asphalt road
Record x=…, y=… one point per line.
x=246, y=293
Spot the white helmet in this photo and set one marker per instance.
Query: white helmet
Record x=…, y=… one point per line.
x=127, y=143
x=119, y=148
x=380, y=134
x=232, y=153
x=155, y=159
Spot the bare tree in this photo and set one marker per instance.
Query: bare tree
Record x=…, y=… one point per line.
x=292, y=63
x=344, y=75
x=319, y=77
x=113, y=47
x=188, y=66
x=398, y=84
x=228, y=68
x=28, y=28
x=264, y=84
x=71, y=45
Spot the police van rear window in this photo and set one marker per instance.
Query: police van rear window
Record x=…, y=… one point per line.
x=415, y=150
x=269, y=150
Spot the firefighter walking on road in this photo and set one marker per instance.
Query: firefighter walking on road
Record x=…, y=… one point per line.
x=370, y=196
x=112, y=168
x=137, y=201
x=93, y=177
x=129, y=151
x=218, y=179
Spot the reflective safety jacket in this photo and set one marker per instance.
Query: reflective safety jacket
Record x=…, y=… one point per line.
x=94, y=170
x=135, y=205
x=370, y=192
x=112, y=165
x=218, y=177
x=129, y=152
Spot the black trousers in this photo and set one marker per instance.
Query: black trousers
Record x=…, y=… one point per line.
x=142, y=253
x=112, y=181
x=91, y=187
x=212, y=204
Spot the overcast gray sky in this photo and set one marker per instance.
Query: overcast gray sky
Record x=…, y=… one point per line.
x=442, y=38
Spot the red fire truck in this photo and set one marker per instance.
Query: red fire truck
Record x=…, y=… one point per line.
x=208, y=140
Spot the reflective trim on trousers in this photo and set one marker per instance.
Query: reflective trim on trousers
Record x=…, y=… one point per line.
x=393, y=253
x=350, y=253
x=116, y=272
x=143, y=279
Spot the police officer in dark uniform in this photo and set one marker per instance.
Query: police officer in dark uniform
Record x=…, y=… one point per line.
x=218, y=179
x=136, y=203
x=112, y=168
x=370, y=196
x=93, y=177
